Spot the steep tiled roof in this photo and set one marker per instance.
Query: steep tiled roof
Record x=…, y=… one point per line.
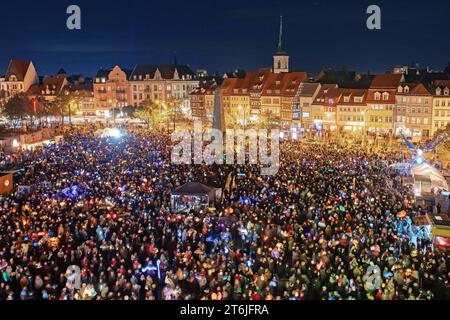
x=167, y=71
x=53, y=84
x=205, y=87
x=103, y=73
x=308, y=89
x=386, y=81
x=322, y=94
x=266, y=82
x=18, y=68
x=415, y=89
x=351, y=94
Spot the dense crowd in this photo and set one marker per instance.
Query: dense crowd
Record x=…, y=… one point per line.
x=97, y=224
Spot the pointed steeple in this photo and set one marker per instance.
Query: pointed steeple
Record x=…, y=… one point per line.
x=281, y=58
x=281, y=39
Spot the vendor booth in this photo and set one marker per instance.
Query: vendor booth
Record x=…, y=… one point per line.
x=428, y=179
x=193, y=196
x=441, y=232
x=435, y=228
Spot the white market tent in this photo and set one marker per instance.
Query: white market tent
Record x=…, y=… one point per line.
x=437, y=180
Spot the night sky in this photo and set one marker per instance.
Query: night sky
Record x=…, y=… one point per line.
x=224, y=35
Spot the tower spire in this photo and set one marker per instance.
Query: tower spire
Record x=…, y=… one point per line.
x=280, y=37
x=281, y=58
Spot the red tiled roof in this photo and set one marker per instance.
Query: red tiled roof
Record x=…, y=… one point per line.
x=386, y=81
x=415, y=89
x=205, y=87
x=54, y=84
x=322, y=94
x=351, y=94
x=17, y=68
x=442, y=83
x=265, y=81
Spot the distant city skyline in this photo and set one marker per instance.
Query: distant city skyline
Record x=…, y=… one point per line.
x=225, y=36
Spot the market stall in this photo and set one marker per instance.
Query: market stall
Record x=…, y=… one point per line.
x=193, y=196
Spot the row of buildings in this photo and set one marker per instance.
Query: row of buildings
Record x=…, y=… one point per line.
x=406, y=100
x=108, y=90
x=391, y=104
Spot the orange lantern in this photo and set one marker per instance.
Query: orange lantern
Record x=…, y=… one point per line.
x=401, y=214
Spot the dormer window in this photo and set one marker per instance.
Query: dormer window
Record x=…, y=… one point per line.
x=446, y=92
x=406, y=89
x=377, y=96
x=438, y=91
x=400, y=89
x=347, y=99
x=385, y=96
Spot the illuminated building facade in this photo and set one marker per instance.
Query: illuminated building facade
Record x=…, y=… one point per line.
x=111, y=90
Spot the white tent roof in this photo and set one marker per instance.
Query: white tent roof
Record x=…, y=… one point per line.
x=437, y=180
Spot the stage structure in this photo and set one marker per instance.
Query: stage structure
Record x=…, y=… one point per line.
x=435, y=228
x=427, y=179
x=193, y=196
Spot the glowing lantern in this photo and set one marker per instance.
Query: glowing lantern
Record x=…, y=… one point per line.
x=401, y=214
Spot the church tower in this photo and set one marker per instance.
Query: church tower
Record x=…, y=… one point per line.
x=281, y=58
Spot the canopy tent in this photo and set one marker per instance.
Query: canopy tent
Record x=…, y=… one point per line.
x=193, y=196
x=437, y=180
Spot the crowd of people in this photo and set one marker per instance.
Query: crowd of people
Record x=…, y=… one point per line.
x=96, y=224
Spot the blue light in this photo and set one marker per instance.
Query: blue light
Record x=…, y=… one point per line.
x=419, y=160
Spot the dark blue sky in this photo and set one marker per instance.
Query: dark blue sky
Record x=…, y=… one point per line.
x=223, y=35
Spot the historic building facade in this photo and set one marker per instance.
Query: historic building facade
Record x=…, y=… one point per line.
x=111, y=90
x=351, y=111
x=302, y=117
x=202, y=101
x=413, y=110
x=19, y=77
x=441, y=105
x=162, y=84
x=380, y=116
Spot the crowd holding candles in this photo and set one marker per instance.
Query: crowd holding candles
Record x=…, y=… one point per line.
x=98, y=226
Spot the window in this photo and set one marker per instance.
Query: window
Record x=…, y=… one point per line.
x=377, y=96
x=385, y=96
